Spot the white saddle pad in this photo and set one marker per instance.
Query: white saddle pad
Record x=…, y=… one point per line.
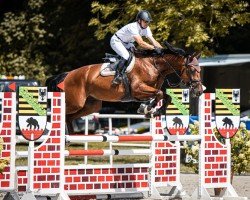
x=107, y=71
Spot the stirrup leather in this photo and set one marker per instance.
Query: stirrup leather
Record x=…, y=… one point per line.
x=117, y=80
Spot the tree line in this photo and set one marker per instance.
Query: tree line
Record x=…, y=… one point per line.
x=39, y=38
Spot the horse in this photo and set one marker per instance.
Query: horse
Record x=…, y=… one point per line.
x=85, y=88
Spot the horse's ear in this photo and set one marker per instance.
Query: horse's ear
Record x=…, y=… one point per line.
x=191, y=57
x=198, y=56
x=174, y=49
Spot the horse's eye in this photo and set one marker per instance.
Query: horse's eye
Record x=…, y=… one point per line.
x=192, y=69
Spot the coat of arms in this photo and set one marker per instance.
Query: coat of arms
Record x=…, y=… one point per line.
x=32, y=111
x=227, y=111
x=177, y=113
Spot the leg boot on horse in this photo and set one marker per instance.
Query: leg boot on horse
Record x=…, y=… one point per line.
x=119, y=72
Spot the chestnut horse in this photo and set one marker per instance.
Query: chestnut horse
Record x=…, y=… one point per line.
x=85, y=88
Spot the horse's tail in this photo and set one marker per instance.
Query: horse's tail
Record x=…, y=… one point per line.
x=53, y=81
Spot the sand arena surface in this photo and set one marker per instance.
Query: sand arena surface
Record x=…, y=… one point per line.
x=241, y=185
x=190, y=182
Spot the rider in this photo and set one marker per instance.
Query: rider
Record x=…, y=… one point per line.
x=124, y=38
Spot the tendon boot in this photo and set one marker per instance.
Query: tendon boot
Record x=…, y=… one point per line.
x=119, y=72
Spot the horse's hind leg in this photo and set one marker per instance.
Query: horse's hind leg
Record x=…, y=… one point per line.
x=91, y=105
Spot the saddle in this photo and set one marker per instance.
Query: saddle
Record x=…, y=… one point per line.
x=111, y=61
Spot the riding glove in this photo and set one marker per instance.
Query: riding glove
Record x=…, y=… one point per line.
x=158, y=50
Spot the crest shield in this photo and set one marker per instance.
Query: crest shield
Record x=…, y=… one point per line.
x=177, y=113
x=227, y=111
x=32, y=111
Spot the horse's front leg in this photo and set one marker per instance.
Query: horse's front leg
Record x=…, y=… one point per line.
x=147, y=92
x=147, y=108
x=165, y=102
x=154, y=101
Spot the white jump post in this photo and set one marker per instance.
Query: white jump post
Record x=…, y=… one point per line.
x=214, y=157
x=49, y=176
x=8, y=182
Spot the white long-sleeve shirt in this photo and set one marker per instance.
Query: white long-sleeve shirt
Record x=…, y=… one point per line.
x=127, y=32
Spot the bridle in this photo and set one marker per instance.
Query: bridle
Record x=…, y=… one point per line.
x=192, y=83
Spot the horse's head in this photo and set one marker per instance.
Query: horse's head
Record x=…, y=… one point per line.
x=175, y=60
x=191, y=75
x=190, y=70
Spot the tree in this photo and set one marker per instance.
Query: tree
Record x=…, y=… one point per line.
x=22, y=36
x=237, y=41
x=43, y=37
x=73, y=44
x=195, y=24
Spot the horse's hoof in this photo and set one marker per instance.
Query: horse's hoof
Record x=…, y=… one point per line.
x=148, y=116
x=156, y=114
x=141, y=109
x=151, y=113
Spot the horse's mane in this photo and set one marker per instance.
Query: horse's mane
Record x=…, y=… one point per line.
x=169, y=50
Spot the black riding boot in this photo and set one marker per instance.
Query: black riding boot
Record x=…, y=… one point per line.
x=119, y=71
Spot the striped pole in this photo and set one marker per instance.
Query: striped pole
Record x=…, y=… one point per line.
x=131, y=138
x=101, y=152
x=97, y=152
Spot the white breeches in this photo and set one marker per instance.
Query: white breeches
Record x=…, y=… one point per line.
x=119, y=47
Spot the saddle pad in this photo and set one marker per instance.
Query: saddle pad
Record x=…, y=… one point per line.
x=107, y=71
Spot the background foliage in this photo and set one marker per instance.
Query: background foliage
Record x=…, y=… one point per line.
x=43, y=37
x=197, y=23
x=22, y=36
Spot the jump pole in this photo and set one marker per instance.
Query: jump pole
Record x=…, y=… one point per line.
x=56, y=140
x=131, y=138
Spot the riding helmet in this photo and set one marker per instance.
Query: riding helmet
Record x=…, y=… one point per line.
x=144, y=15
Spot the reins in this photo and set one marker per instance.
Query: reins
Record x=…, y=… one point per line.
x=176, y=73
x=189, y=84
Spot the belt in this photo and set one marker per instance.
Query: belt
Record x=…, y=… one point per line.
x=121, y=39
